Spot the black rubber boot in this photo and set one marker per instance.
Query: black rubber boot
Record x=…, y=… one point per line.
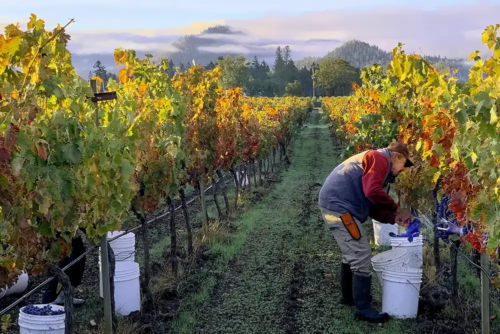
x=362, y=299
x=346, y=285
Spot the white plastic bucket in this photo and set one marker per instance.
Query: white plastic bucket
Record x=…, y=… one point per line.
x=123, y=247
x=401, y=290
x=381, y=232
x=18, y=287
x=414, y=248
x=127, y=288
x=42, y=324
x=390, y=258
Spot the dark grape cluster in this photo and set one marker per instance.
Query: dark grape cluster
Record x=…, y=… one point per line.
x=45, y=310
x=445, y=216
x=142, y=187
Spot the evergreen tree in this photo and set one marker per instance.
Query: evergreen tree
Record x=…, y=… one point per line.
x=171, y=68
x=279, y=69
x=305, y=79
x=100, y=70
x=210, y=66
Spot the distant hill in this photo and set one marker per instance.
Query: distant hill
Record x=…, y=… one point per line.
x=208, y=46
x=361, y=54
x=224, y=41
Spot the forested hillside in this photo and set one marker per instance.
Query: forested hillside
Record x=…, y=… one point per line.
x=266, y=74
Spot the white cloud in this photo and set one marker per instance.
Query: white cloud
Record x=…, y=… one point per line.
x=453, y=31
x=226, y=48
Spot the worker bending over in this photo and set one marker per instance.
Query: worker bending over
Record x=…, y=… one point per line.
x=354, y=190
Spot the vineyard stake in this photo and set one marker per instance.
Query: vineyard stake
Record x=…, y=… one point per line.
x=106, y=288
x=188, y=223
x=485, y=295
x=204, y=213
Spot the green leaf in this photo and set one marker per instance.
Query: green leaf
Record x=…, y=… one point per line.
x=116, y=205
x=462, y=116
x=46, y=229
x=72, y=153
x=102, y=230
x=118, y=160
x=24, y=142
x=127, y=169
x=479, y=106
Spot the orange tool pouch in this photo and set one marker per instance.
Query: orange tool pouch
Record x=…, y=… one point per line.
x=350, y=225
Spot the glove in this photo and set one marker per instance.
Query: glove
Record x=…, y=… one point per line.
x=446, y=228
x=449, y=228
x=412, y=231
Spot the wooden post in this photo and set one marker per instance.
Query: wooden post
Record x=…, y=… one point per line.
x=106, y=288
x=485, y=295
x=259, y=163
x=203, y=206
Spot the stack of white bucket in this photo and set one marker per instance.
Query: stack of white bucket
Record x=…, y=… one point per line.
x=399, y=271
x=127, y=287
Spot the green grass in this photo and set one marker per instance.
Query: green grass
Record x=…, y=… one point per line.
x=279, y=271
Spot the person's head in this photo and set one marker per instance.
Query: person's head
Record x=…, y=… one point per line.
x=399, y=158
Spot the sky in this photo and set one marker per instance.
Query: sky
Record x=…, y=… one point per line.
x=446, y=27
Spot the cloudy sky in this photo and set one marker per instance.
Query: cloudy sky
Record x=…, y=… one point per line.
x=446, y=27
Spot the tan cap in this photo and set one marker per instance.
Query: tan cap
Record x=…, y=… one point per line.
x=402, y=149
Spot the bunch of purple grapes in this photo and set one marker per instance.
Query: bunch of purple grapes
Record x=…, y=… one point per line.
x=45, y=310
x=444, y=213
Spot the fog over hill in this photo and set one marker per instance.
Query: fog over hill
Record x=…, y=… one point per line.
x=452, y=32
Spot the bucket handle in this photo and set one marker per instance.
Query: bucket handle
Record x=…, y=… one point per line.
x=413, y=285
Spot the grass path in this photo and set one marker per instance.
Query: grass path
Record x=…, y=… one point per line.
x=280, y=271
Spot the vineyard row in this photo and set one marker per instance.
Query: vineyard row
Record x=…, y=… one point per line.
x=452, y=130
x=67, y=165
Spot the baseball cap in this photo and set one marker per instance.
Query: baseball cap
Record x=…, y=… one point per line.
x=402, y=149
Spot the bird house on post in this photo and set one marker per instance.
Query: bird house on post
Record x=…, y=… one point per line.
x=102, y=96
x=108, y=311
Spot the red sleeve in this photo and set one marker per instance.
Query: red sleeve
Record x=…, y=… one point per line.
x=375, y=168
x=383, y=216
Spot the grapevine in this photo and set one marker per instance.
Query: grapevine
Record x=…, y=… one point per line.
x=451, y=130
x=60, y=171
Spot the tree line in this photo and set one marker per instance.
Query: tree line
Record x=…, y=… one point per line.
x=328, y=77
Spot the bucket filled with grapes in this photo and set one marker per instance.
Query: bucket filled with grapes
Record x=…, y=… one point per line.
x=42, y=318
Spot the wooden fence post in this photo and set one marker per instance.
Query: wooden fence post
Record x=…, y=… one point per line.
x=485, y=295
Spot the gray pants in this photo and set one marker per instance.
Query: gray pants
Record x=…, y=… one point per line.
x=356, y=253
